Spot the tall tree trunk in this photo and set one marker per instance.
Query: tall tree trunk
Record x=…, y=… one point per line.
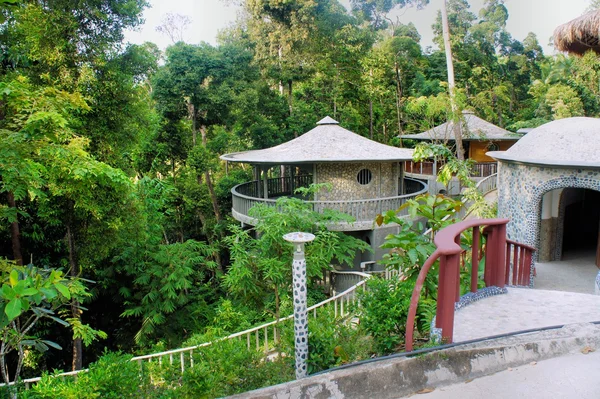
x=15, y=232
x=77, y=361
x=398, y=99
x=451, y=85
x=209, y=185
x=193, y=114
x=290, y=97
x=279, y=57
x=371, y=119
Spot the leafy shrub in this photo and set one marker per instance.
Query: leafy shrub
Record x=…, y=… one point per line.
x=384, y=311
x=332, y=341
x=112, y=376
x=228, y=367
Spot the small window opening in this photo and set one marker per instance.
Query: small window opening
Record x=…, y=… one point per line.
x=364, y=176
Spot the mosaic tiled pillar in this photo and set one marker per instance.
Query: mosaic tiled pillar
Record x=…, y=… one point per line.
x=300, y=312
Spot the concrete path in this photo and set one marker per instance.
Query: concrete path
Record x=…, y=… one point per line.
x=491, y=197
x=568, y=377
x=575, y=273
x=524, y=309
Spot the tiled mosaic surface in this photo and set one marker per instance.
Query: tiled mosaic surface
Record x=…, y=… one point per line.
x=465, y=300
x=520, y=192
x=343, y=178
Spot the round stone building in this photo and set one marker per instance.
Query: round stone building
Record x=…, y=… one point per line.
x=549, y=187
x=366, y=178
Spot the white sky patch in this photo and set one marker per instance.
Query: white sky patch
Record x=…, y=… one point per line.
x=209, y=16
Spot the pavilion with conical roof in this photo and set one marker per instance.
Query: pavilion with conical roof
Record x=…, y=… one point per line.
x=365, y=178
x=479, y=136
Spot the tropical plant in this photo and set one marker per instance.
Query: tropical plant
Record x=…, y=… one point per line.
x=29, y=295
x=261, y=266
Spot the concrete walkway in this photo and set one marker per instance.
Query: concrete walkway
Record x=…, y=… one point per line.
x=524, y=309
x=575, y=273
x=491, y=197
x=569, y=377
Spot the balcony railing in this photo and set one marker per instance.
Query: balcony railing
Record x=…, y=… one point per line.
x=364, y=211
x=506, y=262
x=483, y=169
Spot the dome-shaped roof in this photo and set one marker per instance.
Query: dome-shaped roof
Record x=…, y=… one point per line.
x=573, y=142
x=328, y=142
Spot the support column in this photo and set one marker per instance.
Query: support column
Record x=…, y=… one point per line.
x=265, y=183
x=401, y=178
x=292, y=180
x=256, y=174
x=315, y=181
x=300, y=304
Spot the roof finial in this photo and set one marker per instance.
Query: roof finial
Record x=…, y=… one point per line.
x=328, y=121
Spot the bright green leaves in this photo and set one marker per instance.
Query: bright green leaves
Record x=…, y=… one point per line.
x=26, y=287
x=63, y=290
x=29, y=294
x=164, y=278
x=13, y=309
x=13, y=278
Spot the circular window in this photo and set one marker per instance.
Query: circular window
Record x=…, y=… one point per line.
x=364, y=176
x=493, y=147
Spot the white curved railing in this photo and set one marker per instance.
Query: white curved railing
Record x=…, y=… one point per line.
x=485, y=185
x=430, y=168
x=363, y=210
x=488, y=184
x=256, y=336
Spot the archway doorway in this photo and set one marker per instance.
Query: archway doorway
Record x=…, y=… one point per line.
x=569, y=240
x=582, y=225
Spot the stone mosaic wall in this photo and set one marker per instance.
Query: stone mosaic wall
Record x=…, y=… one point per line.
x=520, y=192
x=343, y=177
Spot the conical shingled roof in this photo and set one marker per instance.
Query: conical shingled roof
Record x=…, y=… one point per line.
x=328, y=142
x=474, y=129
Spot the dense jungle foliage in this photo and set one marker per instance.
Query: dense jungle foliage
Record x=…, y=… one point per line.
x=114, y=204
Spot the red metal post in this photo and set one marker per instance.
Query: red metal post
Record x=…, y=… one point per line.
x=475, y=259
x=439, y=316
x=522, y=266
x=515, y=267
x=446, y=303
x=458, y=266
x=501, y=256
x=490, y=248
x=507, y=268
x=527, y=267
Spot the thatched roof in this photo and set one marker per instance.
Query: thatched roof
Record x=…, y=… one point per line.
x=473, y=129
x=328, y=142
x=579, y=35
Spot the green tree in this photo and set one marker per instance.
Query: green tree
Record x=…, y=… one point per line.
x=29, y=295
x=261, y=267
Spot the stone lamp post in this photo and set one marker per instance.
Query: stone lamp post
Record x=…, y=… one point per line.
x=300, y=312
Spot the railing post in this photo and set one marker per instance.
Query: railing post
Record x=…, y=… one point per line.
x=475, y=259
x=489, y=257
x=449, y=277
x=501, y=256
x=439, y=312
x=299, y=296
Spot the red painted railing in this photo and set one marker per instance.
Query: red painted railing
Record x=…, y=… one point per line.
x=505, y=262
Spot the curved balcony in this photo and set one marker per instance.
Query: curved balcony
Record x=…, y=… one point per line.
x=247, y=195
x=429, y=168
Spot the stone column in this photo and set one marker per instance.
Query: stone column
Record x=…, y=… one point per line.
x=300, y=312
x=265, y=182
